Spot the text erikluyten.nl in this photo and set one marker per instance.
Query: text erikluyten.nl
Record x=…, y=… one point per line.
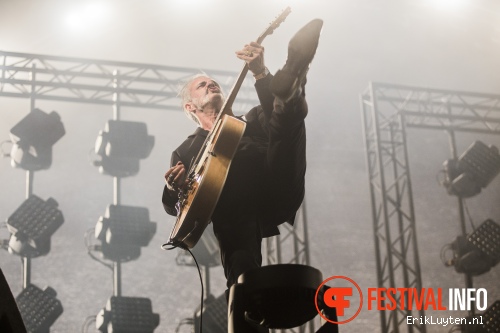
x=444, y=321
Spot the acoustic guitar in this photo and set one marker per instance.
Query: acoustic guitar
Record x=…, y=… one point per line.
x=207, y=175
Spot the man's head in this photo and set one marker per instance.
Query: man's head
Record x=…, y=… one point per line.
x=199, y=94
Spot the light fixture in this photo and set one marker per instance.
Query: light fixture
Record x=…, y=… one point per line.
x=123, y=230
x=478, y=252
x=214, y=315
x=488, y=322
x=125, y=225
x=32, y=140
x=117, y=167
x=127, y=315
x=32, y=225
x=124, y=139
x=472, y=171
x=39, y=308
x=492, y=317
x=120, y=147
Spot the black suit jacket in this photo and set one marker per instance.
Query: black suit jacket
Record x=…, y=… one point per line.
x=246, y=191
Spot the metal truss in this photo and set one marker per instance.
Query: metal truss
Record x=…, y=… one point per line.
x=387, y=111
x=119, y=84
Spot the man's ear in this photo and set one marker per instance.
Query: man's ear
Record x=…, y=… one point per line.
x=190, y=107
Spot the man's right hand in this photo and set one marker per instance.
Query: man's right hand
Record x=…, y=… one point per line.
x=253, y=55
x=174, y=178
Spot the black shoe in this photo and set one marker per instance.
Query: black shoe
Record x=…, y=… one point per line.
x=288, y=81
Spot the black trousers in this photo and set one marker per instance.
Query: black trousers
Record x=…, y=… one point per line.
x=240, y=237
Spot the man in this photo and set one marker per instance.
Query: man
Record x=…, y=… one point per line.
x=265, y=183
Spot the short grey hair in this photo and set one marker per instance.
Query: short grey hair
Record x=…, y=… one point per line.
x=185, y=94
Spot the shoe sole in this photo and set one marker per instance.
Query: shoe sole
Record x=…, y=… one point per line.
x=302, y=47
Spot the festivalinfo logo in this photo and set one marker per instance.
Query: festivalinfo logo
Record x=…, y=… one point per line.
x=348, y=299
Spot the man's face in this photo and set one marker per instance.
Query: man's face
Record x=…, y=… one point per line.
x=204, y=90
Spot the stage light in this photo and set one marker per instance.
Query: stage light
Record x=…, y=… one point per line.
x=117, y=167
x=477, y=253
x=448, y=5
x=488, y=322
x=214, y=315
x=124, y=139
x=127, y=315
x=125, y=225
x=492, y=317
x=39, y=308
x=32, y=140
x=32, y=225
x=123, y=230
x=87, y=16
x=119, y=253
x=120, y=147
x=473, y=170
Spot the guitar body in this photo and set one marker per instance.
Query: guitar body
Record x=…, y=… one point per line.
x=199, y=199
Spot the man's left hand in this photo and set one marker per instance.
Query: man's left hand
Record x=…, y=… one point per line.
x=253, y=55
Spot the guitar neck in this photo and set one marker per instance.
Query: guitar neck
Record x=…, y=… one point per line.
x=226, y=108
x=228, y=104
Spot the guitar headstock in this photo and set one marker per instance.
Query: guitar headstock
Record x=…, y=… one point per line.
x=274, y=24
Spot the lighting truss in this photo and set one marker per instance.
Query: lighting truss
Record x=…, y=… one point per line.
x=32, y=225
x=387, y=111
x=97, y=81
x=39, y=308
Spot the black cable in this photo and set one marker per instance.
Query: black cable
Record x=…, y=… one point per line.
x=89, y=247
x=202, y=291
x=87, y=322
x=441, y=182
x=444, y=249
x=3, y=153
x=182, y=246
